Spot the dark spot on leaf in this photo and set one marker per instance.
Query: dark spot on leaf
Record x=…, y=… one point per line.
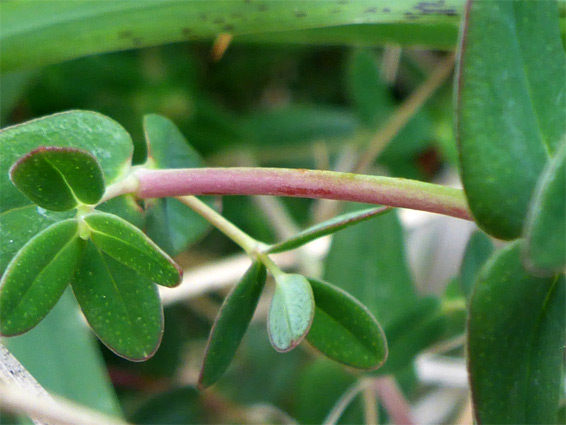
x=218, y=21
x=138, y=41
x=228, y=27
x=410, y=15
x=300, y=14
x=186, y=31
x=203, y=17
x=435, y=8
x=262, y=8
x=371, y=10
x=125, y=34
x=335, y=10
x=236, y=15
x=386, y=10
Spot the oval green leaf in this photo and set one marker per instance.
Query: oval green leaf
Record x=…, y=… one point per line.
x=545, y=245
x=59, y=179
x=122, y=307
x=95, y=133
x=516, y=342
x=291, y=312
x=510, y=108
x=231, y=324
x=171, y=224
x=344, y=330
x=326, y=228
x=130, y=246
x=37, y=276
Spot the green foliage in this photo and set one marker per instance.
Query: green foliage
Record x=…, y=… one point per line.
x=344, y=330
x=506, y=141
x=516, y=342
x=231, y=324
x=477, y=252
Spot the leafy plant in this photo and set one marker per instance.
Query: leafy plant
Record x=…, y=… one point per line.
x=79, y=210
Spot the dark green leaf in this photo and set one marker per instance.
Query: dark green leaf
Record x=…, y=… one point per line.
x=231, y=324
x=291, y=312
x=326, y=228
x=57, y=31
x=477, y=252
x=130, y=246
x=104, y=138
x=126, y=207
x=171, y=224
x=545, y=245
x=37, y=276
x=122, y=307
x=59, y=179
x=344, y=330
x=368, y=261
x=412, y=332
x=69, y=357
x=510, y=108
x=516, y=343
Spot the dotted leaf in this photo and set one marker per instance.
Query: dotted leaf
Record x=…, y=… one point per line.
x=59, y=179
x=128, y=245
x=122, y=307
x=38, y=275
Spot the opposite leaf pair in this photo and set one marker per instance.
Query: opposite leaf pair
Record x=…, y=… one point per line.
x=110, y=263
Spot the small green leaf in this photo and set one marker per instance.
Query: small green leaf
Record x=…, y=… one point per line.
x=510, y=108
x=344, y=329
x=516, y=342
x=95, y=133
x=478, y=250
x=130, y=246
x=291, y=312
x=171, y=224
x=37, y=276
x=326, y=228
x=122, y=307
x=545, y=245
x=231, y=324
x=59, y=179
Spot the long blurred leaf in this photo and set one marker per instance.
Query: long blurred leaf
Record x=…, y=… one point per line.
x=47, y=32
x=231, y=324
x=122, y=307
x=510, y=108
x=516, y=343
x=38, y=275
x=326, y=228
x=62, y=354
x=478, y=250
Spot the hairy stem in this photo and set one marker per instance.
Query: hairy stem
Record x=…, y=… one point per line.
x=388, y=191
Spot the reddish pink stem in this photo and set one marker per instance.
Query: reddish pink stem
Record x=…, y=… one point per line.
x=306, y=184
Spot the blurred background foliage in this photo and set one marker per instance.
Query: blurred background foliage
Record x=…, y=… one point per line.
x=270, y=105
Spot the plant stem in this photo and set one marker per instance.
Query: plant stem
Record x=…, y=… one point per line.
x=246, y=242
x=388, y=191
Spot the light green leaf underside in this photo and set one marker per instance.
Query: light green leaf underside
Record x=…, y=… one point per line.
x=291, y=312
